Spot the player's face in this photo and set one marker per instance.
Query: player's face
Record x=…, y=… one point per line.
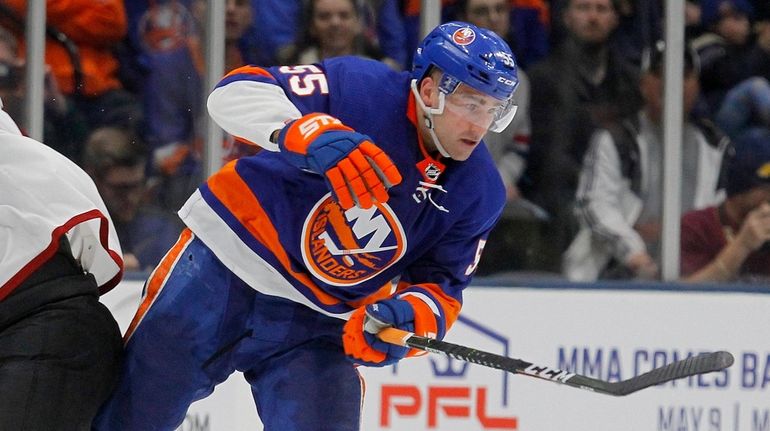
x=466, y=118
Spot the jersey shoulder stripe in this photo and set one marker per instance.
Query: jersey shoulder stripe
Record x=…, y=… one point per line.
x=247, y=73
x=229, y=195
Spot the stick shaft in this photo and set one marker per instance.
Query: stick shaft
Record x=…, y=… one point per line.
x=703, y=363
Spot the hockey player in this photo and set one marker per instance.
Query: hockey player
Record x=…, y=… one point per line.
x=372, y=175
x=60, y=347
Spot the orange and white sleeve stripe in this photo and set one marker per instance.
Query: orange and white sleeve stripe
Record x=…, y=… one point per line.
x=435, y=310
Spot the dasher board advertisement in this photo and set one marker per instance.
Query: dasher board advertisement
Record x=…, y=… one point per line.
x=609, y=334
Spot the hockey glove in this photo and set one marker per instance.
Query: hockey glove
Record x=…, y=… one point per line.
x=356, y=171
x=359, y=340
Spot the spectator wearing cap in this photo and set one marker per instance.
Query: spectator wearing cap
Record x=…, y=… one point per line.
x=729, y=241
x=619, y=196
x=729, y=53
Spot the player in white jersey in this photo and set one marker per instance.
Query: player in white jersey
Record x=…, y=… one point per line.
x=60, y=348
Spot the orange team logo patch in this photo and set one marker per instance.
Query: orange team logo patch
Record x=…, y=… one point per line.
x=464, y=36
x=343, y=248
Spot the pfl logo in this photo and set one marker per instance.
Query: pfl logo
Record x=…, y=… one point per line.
x=434, y=403
x=464, y=36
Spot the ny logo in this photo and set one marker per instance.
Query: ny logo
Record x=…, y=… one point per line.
x=423, y=192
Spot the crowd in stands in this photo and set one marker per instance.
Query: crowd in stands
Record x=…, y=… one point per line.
x=581, y=162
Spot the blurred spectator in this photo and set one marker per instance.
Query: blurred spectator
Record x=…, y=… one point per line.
x=384, y=25
x=580, y=85
x=728, y=51
x=64, y=129
x=276, y=24
x=520, y=27
x=116, y=161
x=81, y=58
x=746, y=105
x=524, y=27
x=619, y=198
x=640, y=25
x=277, y=27
x=508, y=148
x=693, y=23
x=730, y=241
x=333, y=28
x=410, y=9
x=238, y=18
x=173, y=89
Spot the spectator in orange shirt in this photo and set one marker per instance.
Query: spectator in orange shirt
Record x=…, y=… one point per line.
x=85, y=67
x=64, y=128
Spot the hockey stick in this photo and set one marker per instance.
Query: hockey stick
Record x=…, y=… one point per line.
x=703, y=363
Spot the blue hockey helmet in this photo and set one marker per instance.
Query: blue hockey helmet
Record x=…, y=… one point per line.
x=471, y=55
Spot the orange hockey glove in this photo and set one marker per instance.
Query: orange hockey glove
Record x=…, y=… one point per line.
x=359, y=338
x=355, y=169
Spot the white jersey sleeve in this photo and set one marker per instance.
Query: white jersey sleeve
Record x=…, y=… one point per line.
x=251, y=110
x=45, y=195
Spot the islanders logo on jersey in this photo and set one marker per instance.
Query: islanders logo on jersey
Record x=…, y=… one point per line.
x=343, y=248
x=464, y=36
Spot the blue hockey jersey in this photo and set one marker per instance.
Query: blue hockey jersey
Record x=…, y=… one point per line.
x=277, y=227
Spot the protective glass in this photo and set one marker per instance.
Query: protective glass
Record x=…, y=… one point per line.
x=478, y=108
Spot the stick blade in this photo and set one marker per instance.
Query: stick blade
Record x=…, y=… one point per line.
x=723, y=360
x=703, y=363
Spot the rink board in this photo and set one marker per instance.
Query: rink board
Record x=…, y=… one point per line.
x=604, y=333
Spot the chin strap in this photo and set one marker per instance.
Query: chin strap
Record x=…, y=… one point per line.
x=429, y=113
